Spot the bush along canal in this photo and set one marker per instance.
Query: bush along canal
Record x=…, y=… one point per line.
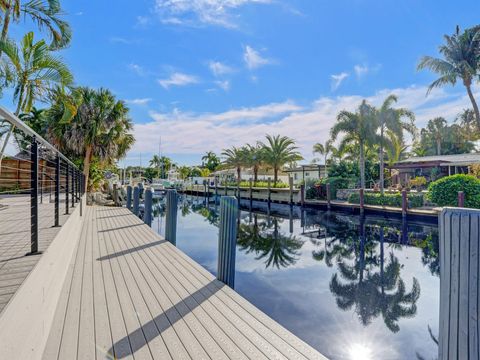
x=345, y=284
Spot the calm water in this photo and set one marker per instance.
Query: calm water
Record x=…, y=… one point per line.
x=352, y=288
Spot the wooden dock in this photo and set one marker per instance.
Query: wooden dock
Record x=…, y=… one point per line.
x=129, y=294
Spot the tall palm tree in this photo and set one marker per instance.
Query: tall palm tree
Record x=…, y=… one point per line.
x=460, y=62
x=155, y=162
x=45, y=13
x=254, y=158
x=278, y=151
x=234, y=158
x=100, y=128
x=436, y=129
x=391, y=119
x=324, y=149
x=359, y=128
x=37, y=72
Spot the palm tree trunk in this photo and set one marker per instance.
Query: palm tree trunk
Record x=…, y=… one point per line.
x=439, y=147
x=86, y=163
x=6, y=23
x=12, y=128
x=255, y=174
x=326, y=172
x=239, y=174
x=382, y=164
x=362, y=165
x=275, y=176
x=474, y=104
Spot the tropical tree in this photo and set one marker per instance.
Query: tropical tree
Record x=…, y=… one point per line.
x=254, y=158
x=45, y=13
x=234, y=158
x=184, y=172
x=324, y=149
x=211, y=161
x=391, y=119
x=279, y=151
x=101, y=128
x=36, y=72
x=359, y=128
x=395, y=147
x=460, y=62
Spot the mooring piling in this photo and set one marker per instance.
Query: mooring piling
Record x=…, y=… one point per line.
x=129, y=197
x=227, y=240
x=171, y=217
x=147, y=214
x=136, y=200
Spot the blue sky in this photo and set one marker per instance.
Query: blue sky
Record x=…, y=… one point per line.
x=208, y=74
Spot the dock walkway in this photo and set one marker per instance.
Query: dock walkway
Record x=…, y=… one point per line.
x=129, y=294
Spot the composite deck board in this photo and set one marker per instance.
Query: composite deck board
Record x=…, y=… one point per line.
x=129, y=294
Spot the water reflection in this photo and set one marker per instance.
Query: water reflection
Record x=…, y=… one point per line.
x=375, y=269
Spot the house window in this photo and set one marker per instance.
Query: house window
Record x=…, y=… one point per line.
x=307, y=174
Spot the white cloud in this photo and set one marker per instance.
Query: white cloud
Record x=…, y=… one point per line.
x=337, y=80
x=140, y=101
x=224, y=85
x=218, y=69
x=253, y=59
x=136, y=69
x=178, y=79
x=194, y=12
x=362, y=70
x=185, y=132
x=143, y=21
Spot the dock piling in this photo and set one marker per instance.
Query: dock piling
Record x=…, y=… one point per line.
x=329, y=196
x=290, y=183
x=362, y=200
x=404, y=202
x=129, y=197
x=459, y=287
x=227, y=240
x=136, y=200
x=171, y=217
x=461, y=199
x=302, y=195
x=269, y=190
x=250, y=189
x=147, y=214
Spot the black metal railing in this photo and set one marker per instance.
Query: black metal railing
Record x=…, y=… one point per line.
x=38, y=184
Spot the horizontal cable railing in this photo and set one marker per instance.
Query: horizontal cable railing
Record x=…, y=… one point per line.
x=38, y=184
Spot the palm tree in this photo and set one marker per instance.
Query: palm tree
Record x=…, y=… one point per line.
x=395, y=148
x=45, y=13
x=359, y=128
x=278, y=151
x=211, y=161
x=234, y=158
x=460, y=62
x=101, y=128
x=436, y=129
x=36, y=72
x=184, y=172
x=156, y=163
x=254, y=158
x=324, y=149
x=390, y=119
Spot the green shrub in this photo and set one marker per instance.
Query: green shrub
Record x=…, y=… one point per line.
x=388, y=199
x=318, y=189
x=259, y=184
x=444, y=192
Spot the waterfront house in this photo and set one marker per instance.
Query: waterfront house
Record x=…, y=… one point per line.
x=432, y=167
x=303, y=173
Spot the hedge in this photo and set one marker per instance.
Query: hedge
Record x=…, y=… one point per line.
x=444, y=192
x=318, y=190
x=395, y=199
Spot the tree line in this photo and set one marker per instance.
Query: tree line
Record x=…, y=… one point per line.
x=90, y=126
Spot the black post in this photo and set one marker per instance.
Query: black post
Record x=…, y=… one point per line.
x=34, y=199
x=73, y=187
x=67, y=191
x=80, y=183
x=57, y=191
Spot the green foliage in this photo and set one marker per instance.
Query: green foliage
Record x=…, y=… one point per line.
x=418, y=182
x=444, y=192
x=388, y=199
x=260, y=184
x=211, y=161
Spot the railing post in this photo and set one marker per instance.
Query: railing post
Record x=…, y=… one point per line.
x=73, y=187
x=404, y=202
x=34, y=198
x=147, y=214
x=171, y=217
x=136, y=200
x=67, y=188
x=459, y=286
x=227, y=240
x=57, y=190
x=80, y=191
x=329, y=196
x=129, y=197
x=461, y=199
x=361, y=193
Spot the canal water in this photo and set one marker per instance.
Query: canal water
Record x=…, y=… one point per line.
x=354, y=288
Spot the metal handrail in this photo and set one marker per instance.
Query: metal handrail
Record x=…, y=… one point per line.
x=14, y=120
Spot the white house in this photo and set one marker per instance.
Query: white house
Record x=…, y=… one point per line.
x=303, y=173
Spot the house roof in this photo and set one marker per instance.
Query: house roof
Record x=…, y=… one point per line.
x=444, y=160
x=309, y=167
